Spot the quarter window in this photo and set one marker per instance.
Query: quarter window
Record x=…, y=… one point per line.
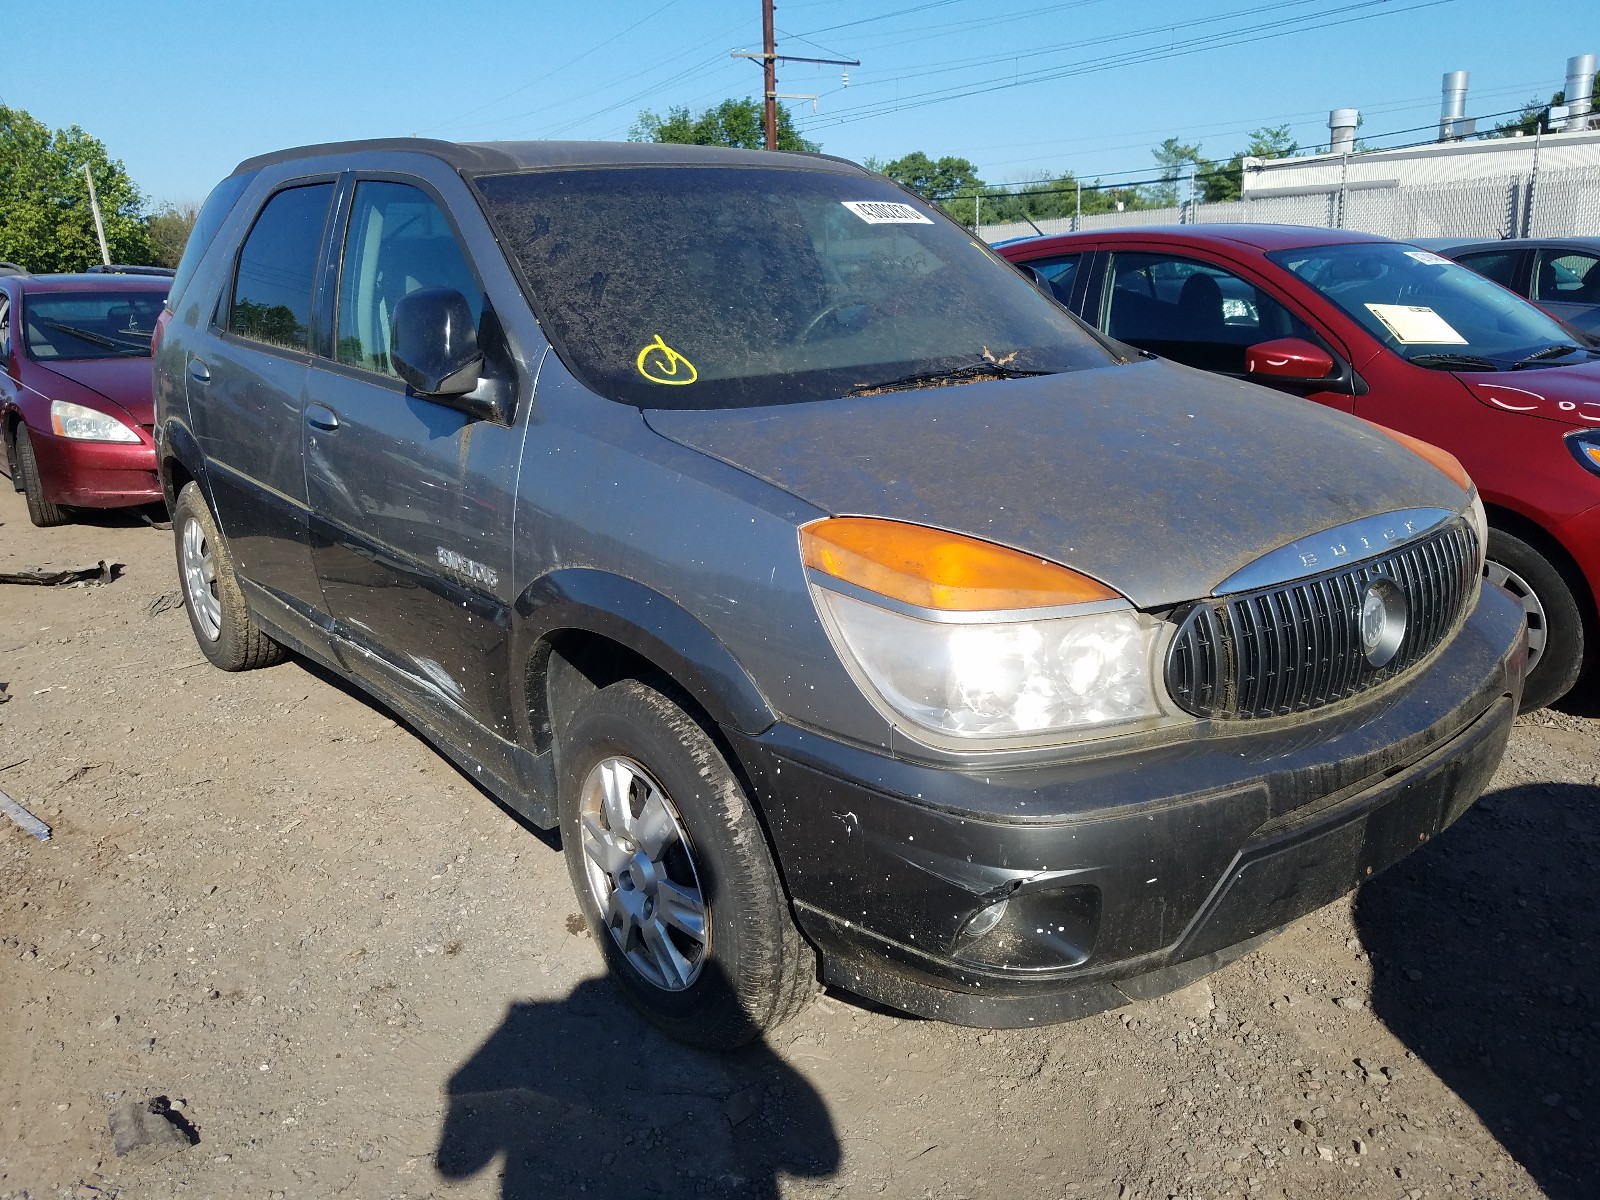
x=399, y=241
x=1499, y=265
x=1059, y=273
x=5, y=329
x=271, y=299
x=1192, y=312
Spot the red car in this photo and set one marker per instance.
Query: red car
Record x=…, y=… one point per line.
x=1397, y=335
x=75, y=408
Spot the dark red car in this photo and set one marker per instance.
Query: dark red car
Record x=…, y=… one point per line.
x=1397, y=335
x=75, y=409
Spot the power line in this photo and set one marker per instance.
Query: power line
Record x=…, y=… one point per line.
x=1132, y=58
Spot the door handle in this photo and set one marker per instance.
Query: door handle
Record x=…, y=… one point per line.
x=199, y=372
x=320, y=416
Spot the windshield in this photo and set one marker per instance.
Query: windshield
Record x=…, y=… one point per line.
x=711, y=287
x=1430, y=310
x=76, y=325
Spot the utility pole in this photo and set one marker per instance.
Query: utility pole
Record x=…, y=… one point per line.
x=770, y=58
x=769, y=69
x=99, y=225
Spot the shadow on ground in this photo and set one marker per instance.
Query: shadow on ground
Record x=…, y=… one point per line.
x=582, y=1096
x=1485, y=949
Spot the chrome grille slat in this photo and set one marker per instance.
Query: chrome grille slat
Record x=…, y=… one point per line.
x=1297, y=646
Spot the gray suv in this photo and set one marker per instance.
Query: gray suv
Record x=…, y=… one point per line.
x=857, y=613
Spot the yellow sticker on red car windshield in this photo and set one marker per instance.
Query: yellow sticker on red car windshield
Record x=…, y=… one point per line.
x=660, y=363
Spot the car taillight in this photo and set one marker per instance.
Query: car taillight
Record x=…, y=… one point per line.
x=161, y=327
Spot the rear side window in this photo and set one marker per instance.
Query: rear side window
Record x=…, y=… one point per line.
x=1499, y=265
x=271, y=298
x=399, y=241
x=1572, y=276
x=212, y=214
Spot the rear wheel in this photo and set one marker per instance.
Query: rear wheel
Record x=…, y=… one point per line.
x=41, y=511
x=1555, y=624
x=222, y=624
x=672, y=872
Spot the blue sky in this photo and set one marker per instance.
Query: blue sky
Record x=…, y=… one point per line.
x=182, y=91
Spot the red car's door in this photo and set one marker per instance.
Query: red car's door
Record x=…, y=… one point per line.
x=1200, y=308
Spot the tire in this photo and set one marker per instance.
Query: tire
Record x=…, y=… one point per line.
x=40, y=510
x=696, y=838
x=1556, y=642
x=222, y=624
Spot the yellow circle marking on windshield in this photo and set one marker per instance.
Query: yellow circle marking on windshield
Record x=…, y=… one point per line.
x=660, y=363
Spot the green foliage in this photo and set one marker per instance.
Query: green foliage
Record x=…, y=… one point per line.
x=739, y=123
x=937, y=181
x=1174, y=161
x=45, y=220
x=1531, y=118
x=169, y=231
x=1225, y=181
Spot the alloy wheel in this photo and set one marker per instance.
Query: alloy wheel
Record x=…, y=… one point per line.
x=200, y=579
x=641, y=873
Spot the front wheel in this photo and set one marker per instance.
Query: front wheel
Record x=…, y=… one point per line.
x=221, y=621
x=41, y=510
x=1555, y=624
x=672, y=872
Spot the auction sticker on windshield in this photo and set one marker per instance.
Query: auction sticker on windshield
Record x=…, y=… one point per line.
x=1414, y=324
x=886, y=212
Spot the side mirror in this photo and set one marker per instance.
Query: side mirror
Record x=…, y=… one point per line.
x=433, y=342
x=1288, y=358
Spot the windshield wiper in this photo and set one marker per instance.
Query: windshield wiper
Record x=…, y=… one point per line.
x=971, y=373
x=1454, y=362
x=1548, y=352
x=83, y=335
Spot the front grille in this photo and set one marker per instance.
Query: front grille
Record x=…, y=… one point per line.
x=1297, y=646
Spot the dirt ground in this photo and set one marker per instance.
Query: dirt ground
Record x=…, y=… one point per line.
x=266, y=900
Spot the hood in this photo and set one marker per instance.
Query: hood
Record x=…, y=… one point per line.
x=1157, y=480
x=123, y=381
x=1570, y=395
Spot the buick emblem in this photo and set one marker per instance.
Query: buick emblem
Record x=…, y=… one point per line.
x=1383, y=621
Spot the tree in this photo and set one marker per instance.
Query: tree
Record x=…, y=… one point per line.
x=1225, y=181
x=168, y=229
x=1174, y=160
x=740, y=123
x=1531, y=118
x=949, y=182
x=46, y=223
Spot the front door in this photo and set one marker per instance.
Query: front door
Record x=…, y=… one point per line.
x=412, y=499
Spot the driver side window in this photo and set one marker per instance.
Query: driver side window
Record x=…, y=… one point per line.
x=398, y=241
x=1193, y=312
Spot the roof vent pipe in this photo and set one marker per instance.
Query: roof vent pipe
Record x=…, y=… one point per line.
x=1579, y=95
x=1453, y=110
x=1342, y=124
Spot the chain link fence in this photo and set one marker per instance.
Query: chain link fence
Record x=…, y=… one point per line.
x=1564, y=203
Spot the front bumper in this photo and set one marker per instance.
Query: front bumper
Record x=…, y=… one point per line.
x=96, y=474
x=1131, y=873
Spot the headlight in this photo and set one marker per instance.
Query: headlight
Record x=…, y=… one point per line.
x=1480, y=524
x=972, y=644
x=1585, y=447
x=87, y=424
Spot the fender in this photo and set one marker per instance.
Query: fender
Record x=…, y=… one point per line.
x=175, y=442
x=650, y=625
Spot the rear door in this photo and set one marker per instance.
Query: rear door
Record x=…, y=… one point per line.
x=246, y=386
x=412, y=499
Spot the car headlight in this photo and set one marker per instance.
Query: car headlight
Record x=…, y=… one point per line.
x=87, y=424
x=972, y=644
x=1585, y=447
x=1480, y=525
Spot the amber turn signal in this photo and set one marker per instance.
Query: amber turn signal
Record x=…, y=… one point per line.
x=930, y=568
x=1427, y=451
